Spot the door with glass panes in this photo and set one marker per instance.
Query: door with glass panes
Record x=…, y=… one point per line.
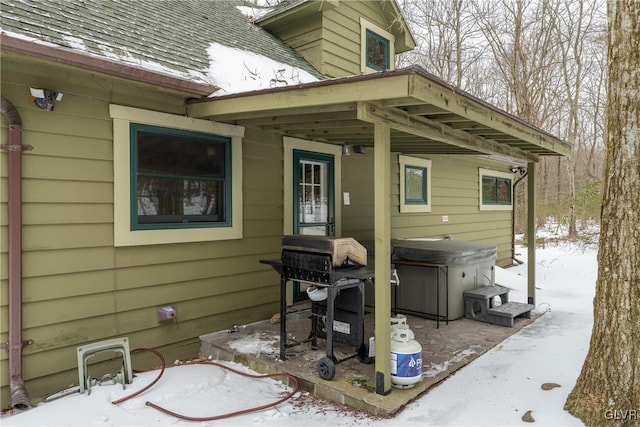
x=313, y=195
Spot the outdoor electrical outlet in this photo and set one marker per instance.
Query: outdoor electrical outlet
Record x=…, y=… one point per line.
x=166, y=313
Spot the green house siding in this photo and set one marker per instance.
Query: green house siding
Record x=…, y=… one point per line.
x=77, y=286
x=342, y=35
x=330, y=39
x=454, y=190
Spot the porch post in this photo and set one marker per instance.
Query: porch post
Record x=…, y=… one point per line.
x=531, y=232
x=382, y=218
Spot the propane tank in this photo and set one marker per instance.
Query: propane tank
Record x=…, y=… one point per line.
x=406, y=357
x=398, y=319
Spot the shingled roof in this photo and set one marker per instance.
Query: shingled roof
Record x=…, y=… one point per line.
x=167, y=36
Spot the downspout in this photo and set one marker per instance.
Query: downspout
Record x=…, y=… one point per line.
x=513, y=220
x=19, y=397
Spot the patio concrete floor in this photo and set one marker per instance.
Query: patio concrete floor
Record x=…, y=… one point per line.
x=444, y=351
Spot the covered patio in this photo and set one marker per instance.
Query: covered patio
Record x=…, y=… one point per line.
x=446, y=349
x=405, y=111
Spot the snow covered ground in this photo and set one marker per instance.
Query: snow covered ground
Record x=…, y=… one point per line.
x=497, y=389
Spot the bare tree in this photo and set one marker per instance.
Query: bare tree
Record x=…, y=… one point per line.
x=540, y=60
x=447, y=39
x=575, y=20
x=607, y=391
x=519, y=34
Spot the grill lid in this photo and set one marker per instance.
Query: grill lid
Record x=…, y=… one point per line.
x=343, y=250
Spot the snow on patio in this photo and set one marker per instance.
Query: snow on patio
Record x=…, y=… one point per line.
x=498, y=388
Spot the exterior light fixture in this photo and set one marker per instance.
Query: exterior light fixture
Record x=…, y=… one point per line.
x=358, y=149
x=45, y=98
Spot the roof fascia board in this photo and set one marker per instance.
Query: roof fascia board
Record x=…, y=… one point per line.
x=296, y=12
x=310, y=95
x=104, y=66
x=419, y=126
x=445, y=97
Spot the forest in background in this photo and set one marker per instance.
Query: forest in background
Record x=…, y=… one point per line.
x=543, y=61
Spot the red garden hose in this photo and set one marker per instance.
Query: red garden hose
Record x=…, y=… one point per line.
x=214, y=417
x=163, y=366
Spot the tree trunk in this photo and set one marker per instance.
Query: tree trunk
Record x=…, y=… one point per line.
x=607, y=391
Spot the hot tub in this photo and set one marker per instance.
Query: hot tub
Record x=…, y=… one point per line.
x=468, y=265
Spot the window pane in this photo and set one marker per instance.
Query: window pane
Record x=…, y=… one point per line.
x=174, y=155
x=313, y=197
x=166, y=199
x=181, y=177
x=488, y=189
x=307, y=173
x=415, y=184
x=504, y=191
x=377, y=51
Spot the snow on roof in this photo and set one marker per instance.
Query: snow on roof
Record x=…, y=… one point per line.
x=236, y=70
x=254, y=13
x=180, y=39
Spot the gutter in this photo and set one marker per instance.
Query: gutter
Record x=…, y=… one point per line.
x=102, y=65
x=19, y=397
x=513, y=219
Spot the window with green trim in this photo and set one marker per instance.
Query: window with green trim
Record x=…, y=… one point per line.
x=377, y=50
x=495, y=190
x=415, y=187
x=415, y=184
x=179, y=178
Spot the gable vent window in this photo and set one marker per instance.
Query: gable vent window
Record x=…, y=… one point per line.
x=377, y=48
x=377, y=51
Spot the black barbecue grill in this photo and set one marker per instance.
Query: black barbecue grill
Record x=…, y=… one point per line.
x=337, y=265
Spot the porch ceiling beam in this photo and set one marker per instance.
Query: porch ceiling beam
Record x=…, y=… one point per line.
x=444, y=97
x=295, y=98
x=318, y=125
x=262, y=113
x=473, y=127
x=424, y=109
x=430, y=129
x=315, y=117
x=362, y=130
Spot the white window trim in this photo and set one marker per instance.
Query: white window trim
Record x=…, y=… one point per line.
x=367, y=25
x=123, y=235
x=421, y=163
x=491, y=172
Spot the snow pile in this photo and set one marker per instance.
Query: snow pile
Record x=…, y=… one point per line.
x=235, y=70
x=257, y=343
x=254, y=12
x=496, y=389
x=460, y=356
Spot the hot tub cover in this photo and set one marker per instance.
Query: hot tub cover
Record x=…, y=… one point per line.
x=449, y=252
